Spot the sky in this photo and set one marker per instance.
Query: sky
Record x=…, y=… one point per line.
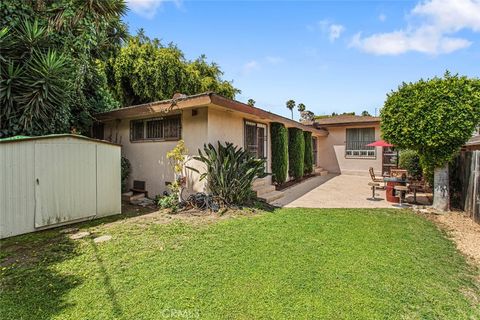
x=333, y=56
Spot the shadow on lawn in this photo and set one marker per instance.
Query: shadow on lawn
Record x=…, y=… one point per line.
x=30, y=287
x=107, y=283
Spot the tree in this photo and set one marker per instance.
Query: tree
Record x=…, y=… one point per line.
x=296, y=153
x=365, y=113
x=145, y=70
x=290, y=106
x=251, y=102
x=279, y=164
x=307, y=115
x=301, y=107
x=434, y=117
x=50, y=81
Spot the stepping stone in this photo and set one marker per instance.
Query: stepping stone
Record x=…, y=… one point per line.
x=69, y=230
x=102, y=239
x=79, y=235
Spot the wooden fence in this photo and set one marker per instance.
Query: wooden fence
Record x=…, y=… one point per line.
x=465, y=183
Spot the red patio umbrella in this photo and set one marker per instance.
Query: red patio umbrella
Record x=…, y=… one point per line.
x=380, y=143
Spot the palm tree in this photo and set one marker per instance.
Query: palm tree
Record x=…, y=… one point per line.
x=301, y=107
x=291, y=105
x=251, y=102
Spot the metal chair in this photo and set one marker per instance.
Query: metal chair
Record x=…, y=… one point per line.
x=402, y=190
x=374, y=185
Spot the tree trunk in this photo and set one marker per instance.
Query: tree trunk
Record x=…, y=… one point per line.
x=441, y=190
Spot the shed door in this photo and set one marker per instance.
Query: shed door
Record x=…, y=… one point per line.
x=65, y=182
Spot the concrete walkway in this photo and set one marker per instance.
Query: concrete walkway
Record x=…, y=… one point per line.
x=333, y=191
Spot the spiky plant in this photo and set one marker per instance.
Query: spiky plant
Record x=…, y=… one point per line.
x=230, y=172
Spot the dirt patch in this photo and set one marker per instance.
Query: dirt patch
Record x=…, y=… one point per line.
x=463, y=231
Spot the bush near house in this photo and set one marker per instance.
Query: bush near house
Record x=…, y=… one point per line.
x=126, y=170
x=296, y=152
x=308, y=159
x=410, y=161
x=279, y=135
x=230, y=171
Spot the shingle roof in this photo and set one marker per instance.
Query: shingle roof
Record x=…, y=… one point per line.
x=346, y=119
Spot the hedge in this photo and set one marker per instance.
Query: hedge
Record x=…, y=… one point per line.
x=308, y=160
x=296, y=152
x=279, y=136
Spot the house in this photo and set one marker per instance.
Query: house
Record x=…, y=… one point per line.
x=344, y=149
x=147, y=132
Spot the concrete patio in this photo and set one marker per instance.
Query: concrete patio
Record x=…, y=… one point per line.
x=333, y=191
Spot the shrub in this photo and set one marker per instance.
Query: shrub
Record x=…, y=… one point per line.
x=230, y=171
x=296, y=152
x=279, y=135
x=126, y=170
x=169, y=201
x=308, y=160
x=410, y=161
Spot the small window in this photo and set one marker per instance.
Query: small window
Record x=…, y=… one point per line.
x=356, y=144
x=156, y=129
x=137, y=130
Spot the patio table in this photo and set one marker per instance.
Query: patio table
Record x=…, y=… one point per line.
x=391, y=195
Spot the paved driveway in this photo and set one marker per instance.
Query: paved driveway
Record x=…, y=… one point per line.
x=333, y=191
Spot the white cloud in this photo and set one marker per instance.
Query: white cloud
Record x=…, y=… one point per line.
x=332, y=30
x=335, y=31
x=274, y=59
x=433, y=33
x=250, y=66
x=148, y=8
x=382, y=17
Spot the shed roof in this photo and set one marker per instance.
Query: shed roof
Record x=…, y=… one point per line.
x=53, y=136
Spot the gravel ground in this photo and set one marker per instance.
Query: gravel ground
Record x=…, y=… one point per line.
x=464, y=231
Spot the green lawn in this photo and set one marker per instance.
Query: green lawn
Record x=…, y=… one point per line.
x=291, y=263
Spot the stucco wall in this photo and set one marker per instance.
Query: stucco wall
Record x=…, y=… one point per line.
x=228, y=126
x=331, y=153
x=148, y=159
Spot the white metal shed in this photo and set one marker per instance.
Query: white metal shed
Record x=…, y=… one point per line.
x=52, y=180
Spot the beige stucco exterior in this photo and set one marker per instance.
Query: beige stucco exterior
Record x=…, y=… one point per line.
x=210, y=125
x=331, y=152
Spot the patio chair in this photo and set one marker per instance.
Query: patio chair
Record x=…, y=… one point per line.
x=373, y=185
x=375, y=179
x=403, y=191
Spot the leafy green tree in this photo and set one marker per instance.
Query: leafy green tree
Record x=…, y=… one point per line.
x=290, y=106
x=308, y=158
x=296, y=153
x=251, y=102
x=51, y=50
x=279, y=165
x=434, y=117
x=365, y=113
x=145, y=70
x=307, y=115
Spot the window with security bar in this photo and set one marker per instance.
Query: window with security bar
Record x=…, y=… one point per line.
x=256, y=139
x=356, y=144
x=156, y=129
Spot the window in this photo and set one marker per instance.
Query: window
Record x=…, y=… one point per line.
x=166, y=128
x=357, y=139
x=256, y=139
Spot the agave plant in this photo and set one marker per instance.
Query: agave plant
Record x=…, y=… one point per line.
x=230, y=172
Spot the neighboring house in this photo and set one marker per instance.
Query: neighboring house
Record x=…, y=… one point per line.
x=344, y=149
x=147, y=132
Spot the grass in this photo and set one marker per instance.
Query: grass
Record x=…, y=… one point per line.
x=291, y=263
